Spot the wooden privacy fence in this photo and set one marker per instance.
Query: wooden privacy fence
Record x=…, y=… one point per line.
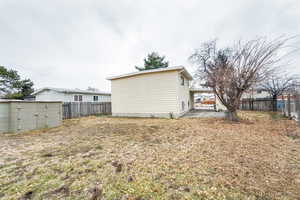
x=257, y=104
x=290, y=106
x=80, y=109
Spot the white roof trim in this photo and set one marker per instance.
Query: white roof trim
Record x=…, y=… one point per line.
x=201, y=90
x=72, y=91
x=177, y=68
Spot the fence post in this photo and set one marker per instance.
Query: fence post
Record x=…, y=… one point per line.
x=283, y=105
x=70, y=110
x=297, y=107
x=249, y=104
x=289, y=105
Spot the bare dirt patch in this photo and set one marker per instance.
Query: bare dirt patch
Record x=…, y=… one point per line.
x=127, y=158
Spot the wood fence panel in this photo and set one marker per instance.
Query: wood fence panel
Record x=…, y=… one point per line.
x=290, y=106
x=257, y=104
x=80, y=109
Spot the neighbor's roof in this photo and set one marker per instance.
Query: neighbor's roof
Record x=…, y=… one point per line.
x=71, y=91
x=177, y=68
x=201, y=90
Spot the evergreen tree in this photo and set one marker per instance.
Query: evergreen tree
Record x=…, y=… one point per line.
x=12, y=86
x=153, y=61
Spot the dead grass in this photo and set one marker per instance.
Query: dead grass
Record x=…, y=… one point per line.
x=119, y=158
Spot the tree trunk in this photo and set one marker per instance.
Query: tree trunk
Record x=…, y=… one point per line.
x=274, y=103
x=232, y=116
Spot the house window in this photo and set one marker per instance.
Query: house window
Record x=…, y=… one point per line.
x=182, y=80
x=182, y=105
x=95, y=98
x=77, y=97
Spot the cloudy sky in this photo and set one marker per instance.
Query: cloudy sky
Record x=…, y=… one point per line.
x=78, y=43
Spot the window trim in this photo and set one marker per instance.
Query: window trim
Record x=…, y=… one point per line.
x=96, y=98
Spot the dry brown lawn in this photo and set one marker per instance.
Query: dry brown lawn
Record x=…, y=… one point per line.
x=128, y=158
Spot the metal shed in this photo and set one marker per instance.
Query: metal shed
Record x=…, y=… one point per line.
x=18, y=116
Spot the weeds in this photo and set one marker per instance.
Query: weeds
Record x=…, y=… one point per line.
x=276, y=116
x=139, y=158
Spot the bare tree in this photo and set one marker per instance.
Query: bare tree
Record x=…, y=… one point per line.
x=232, y=71
x=277, y=85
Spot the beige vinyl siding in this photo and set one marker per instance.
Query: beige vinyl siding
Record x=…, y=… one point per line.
x=153, y=94
x=183, y=94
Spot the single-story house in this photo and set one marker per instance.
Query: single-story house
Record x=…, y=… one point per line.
x=163, y=92
x=70, y=95
x=257, y=93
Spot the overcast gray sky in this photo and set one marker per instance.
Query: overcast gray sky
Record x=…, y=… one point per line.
x=78, y=43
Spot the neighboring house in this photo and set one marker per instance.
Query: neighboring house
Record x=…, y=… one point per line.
x=70, y=95
x=162, y=92
x=29, y=98
x=255, y=94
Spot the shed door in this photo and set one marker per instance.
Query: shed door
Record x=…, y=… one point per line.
x=41, y=115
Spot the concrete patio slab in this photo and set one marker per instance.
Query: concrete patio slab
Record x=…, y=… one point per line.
x=204, y=114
